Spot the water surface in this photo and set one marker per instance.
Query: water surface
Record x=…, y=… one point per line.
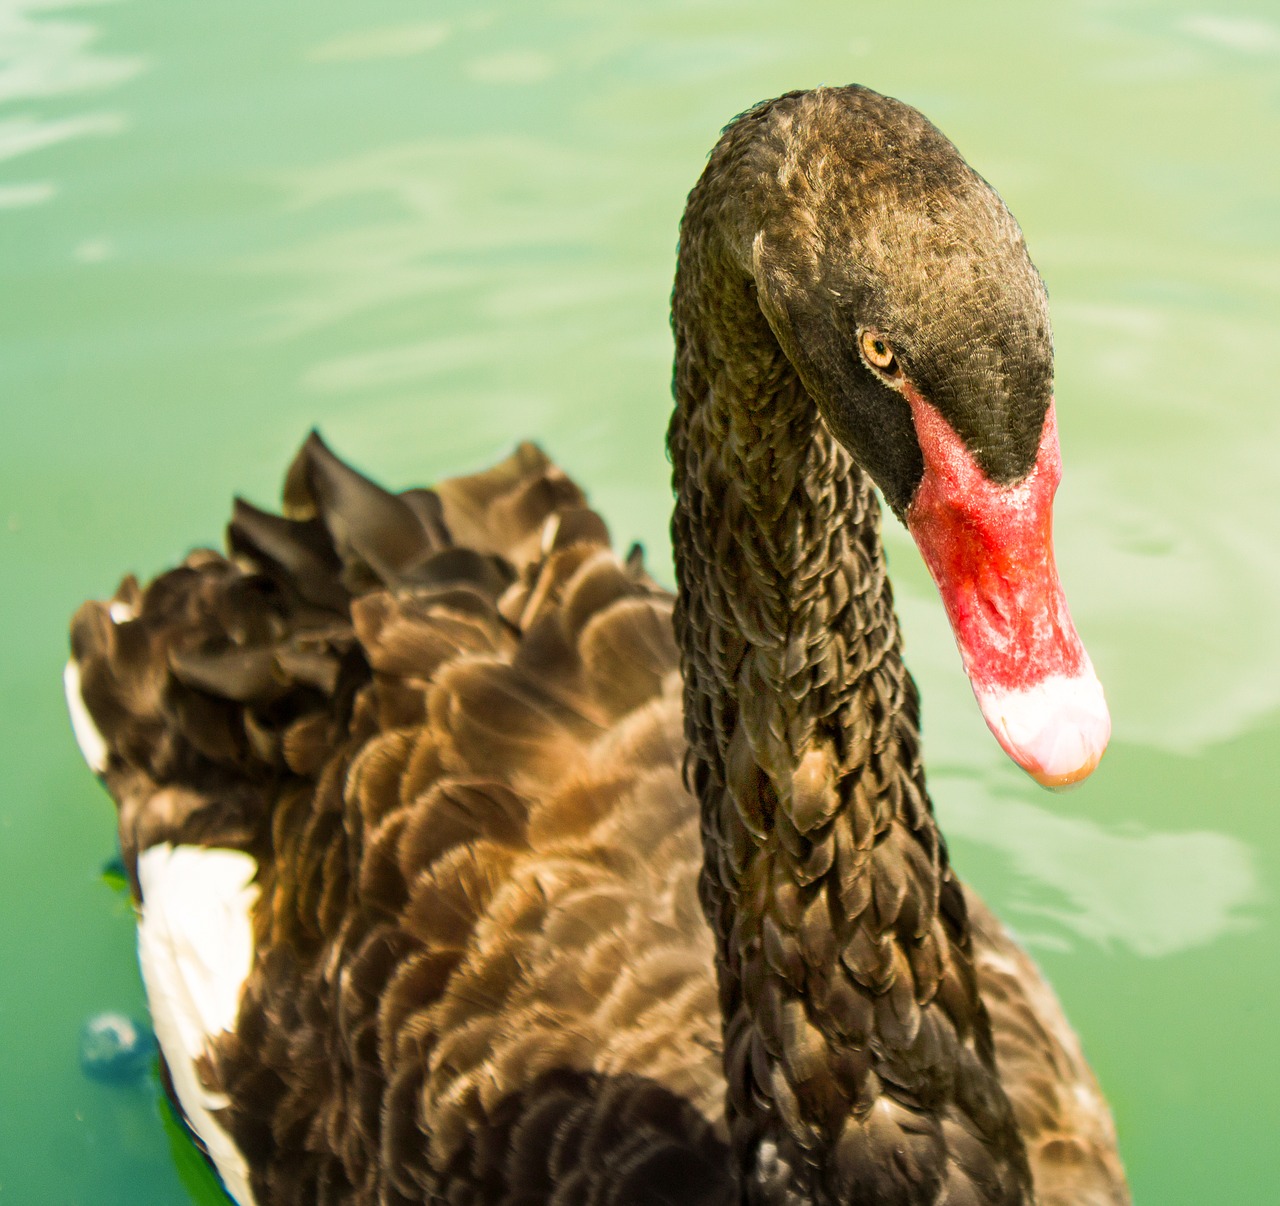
x=435, y=228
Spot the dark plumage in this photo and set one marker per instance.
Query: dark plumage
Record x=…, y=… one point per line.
x=452, y=730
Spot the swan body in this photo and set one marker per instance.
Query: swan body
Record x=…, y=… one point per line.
x=473, y=867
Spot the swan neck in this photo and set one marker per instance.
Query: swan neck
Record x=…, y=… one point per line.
x=850, y=1009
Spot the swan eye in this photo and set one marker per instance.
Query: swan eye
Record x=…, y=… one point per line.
x=877, y=351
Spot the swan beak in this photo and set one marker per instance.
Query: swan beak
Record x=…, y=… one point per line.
x=989, y=548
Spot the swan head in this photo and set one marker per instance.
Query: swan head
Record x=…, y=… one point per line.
x=899, y=286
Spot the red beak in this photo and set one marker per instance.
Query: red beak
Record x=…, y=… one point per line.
x=990, y=550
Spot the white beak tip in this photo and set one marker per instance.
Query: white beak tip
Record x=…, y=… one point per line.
x=1056, y=730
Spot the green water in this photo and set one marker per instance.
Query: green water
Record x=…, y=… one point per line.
x=431, y=228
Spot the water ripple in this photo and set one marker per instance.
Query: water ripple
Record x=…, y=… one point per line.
x=1153, y=892
x=20, y=135
x=384, y=42
x=42, y=59
x=1235, y=33
x=453, y=216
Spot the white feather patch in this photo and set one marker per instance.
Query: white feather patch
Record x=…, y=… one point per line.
x=195, y=944
x=93, y=746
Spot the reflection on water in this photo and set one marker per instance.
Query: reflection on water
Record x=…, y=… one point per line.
x=453, y=216
x=21, y=135
x=1155, y=893
x=511, y=67
x=384, y=42
x=1247, y=34
x=43, y=58
x=18, y=196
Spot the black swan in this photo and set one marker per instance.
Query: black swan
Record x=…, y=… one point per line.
x=466, y=875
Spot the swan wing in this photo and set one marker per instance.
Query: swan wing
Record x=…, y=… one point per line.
x=416, y=758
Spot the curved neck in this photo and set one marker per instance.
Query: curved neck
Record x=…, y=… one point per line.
x=858, y=1055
